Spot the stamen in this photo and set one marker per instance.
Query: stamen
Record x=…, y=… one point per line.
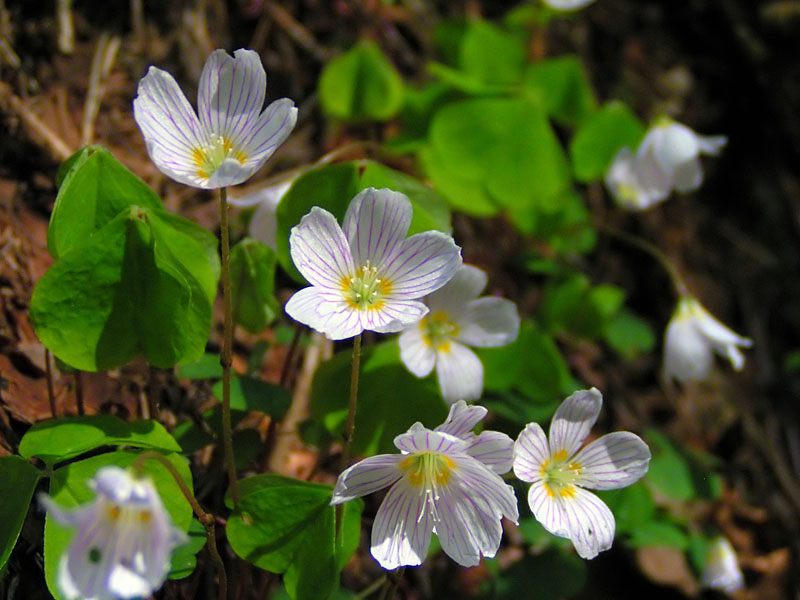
x=211, y=155
x=365, y=290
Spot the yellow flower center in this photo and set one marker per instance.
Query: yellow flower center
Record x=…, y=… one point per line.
x=438, y=331
x=365, y=290
x=559, y=475
x=210, y=155
x=428, y=471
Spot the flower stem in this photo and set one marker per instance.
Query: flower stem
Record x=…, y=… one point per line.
x=350, y=425
x=51, y=397
x=226, y=352
x=654, y=252
x=207, y=519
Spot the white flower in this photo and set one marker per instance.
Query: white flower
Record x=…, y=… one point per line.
x=123, y=540
x=446, y=481
x=232, y=138
x=668, y=158
x=457, y=319
x=560, y=470
x=567, y=4
x=368, y=276
x=263, y=224
x=721, y=571
x=691, y=338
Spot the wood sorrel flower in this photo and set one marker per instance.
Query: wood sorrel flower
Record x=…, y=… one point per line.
x=232, y=138
x=560, y=469
x=445, y=480
x=457, y=319
x=721, y=571
x=368, y=276
x=668, y=158
x=123, y=540
x=692, y=336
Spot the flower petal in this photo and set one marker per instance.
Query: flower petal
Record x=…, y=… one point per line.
x=324, y=312
x=688, y=176
x=466, y=285
x=464, y=528
x=711, y=144
x=320, y=251
x=422, y=439
x=687, y=352
x=494, y=449
x=423, y=263
x=531, y=451
x=460, y=372
x=485, y=487
x=591, y=523
x=269, y=131
x=367, y=476
x=231, y=94
x=673, y=145
x=395, y=315
x=547, y=509
x=573, y=420
x=416, y=352
x=376, y=223
x=462, y=419
x=170, y=127
x=402, y=530
x=613, y=461
x=488, y=322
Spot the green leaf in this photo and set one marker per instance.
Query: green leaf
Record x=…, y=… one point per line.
x=629, y=335
x=18, y=479
x=390, y=399
x=95, y=187
x=69, y=487
x=659, y=533
x=206, y=367
x=361, y=84
x=491, y=54
x=600, y=137
x=561, y=86
x=506, y=146
x=184, y=560
x=252, y=266
x=249, y=393
x=333, y=187
x=669, y=472
x=139, y=285
x=633, y=507
x=574, y=305
x=554, y=575
x=533, y=366
x=66, y=437
x=287, y=526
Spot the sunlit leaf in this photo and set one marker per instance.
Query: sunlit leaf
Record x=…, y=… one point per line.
x=18, y=479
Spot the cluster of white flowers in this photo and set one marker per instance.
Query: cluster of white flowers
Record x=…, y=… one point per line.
x=368, y=275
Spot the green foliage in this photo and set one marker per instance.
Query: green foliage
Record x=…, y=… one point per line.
x=205, y=367
x=184, y=559
x=628, y=334
x=18, y=479
x=60, y=439
x=361, y=84
x=390, y=399
x=563, y=89
x=600, y=137
x=94, y=187
x=332, y=187
x=659, y=532
x=552, y=574
x=576, y=306
x=507, y=150
x=249, y=393
x=678, y=474
x=68, y=487
x=252, y=267
x=288, y=526
x=529, y=376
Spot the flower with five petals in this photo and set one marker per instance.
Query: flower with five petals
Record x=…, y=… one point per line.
x=231, y=139
x=123, y=539
x=560, y=469
x=457, y=319
x=446, y=481
x=369, y=275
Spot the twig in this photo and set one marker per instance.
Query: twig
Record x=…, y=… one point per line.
x=137, y=19
x=302, y=36
x=66, y=31
x=103, y=60
x=79, y=392
x=49, y=373
x=350, y=425
x=37, y=129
